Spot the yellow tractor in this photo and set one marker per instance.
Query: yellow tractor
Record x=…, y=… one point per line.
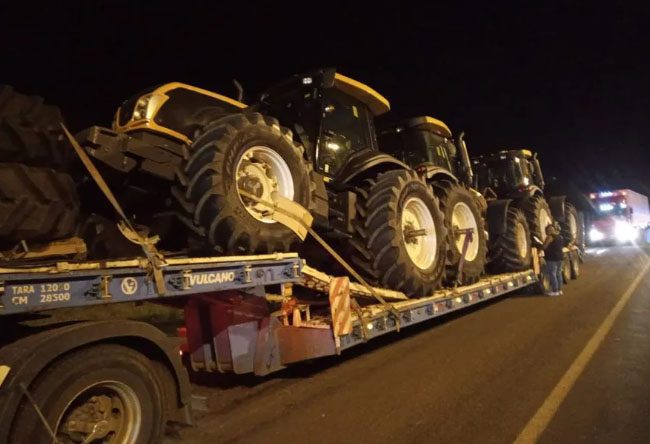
x=310, y=139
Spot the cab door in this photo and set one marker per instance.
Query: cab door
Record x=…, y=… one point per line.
x=346, y=128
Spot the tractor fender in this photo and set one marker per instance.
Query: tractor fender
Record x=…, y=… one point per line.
x=497, y=214
x=556, y=203
x=26, y=358
x=435, y=173
x=368, y=164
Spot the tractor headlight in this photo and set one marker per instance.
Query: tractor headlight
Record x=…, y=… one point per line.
x=141, y=107
x=624, y=232
x=147, y=106
x=595, y=235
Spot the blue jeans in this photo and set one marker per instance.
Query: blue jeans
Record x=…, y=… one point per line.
x=555, y=275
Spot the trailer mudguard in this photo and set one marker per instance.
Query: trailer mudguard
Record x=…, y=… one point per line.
x=556, y=203
x=26, y=358
x=497, y=211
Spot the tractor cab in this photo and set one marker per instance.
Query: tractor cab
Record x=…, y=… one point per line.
x=332, y=115
x=426, y=144
x=509, y=173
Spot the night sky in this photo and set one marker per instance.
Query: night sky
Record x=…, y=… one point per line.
x=570, y=82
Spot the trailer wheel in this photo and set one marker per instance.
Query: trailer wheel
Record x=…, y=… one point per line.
x=511, y=251
x=461, y=211
x=253, y=153
x=106, y=393
x=400, y=239
x=36, y=204
x=538, y=215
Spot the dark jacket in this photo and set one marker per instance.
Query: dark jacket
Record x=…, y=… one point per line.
x=553, y=248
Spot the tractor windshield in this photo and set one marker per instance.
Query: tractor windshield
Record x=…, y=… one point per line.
x=419, y=146
x=346, y=128
x=504, y=173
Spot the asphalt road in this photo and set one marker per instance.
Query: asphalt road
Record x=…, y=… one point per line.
x=479, y=376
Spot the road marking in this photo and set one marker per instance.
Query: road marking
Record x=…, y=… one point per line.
x=538, y=423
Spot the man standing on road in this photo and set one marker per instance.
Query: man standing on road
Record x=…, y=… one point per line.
x=554, y=256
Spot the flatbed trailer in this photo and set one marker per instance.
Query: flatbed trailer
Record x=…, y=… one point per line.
x=243, y=314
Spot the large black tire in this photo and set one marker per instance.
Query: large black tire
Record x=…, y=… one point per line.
x=450, y=195
x=569, y=226
x=379, y=250
x=511, y=251
x=582, y=235
x=208, y=190
x=30, y=131
x=29, y=108
x=72, y=377
x=534, y=208
x=36, y=204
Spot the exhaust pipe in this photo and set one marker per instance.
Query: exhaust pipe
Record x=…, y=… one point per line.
x=467, y=165
x=538, y=172
x=240, y=90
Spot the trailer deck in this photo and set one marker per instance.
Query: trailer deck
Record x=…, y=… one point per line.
x=66, y=284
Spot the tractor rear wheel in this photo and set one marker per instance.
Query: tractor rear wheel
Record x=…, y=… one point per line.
x=247, y=152
x=511, y=250
x=538, y=215
x=400, y=238
x=461, y=212
x=36, y=204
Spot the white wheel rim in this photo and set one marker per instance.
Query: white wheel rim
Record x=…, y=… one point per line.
x=261, y=171
x=522, y=240
x=420, y=248
x=112, y=409
x=544, y=221
x=462, y=218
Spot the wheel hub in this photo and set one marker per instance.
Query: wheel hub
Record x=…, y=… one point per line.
x=106, y=412
x=463, y=219
x=419, y=233
x=260, y=172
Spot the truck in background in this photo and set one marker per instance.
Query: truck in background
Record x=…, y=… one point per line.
x=621, y=216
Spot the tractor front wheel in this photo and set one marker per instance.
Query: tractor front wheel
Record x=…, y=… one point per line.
x=237, y=163
x=400, y=239
x=538, y=215
x=462, y=214
x=511, y=251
